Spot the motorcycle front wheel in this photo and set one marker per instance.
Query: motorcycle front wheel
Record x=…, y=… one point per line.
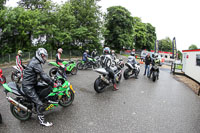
x=99, y=85
x=67, y=101
x=80, y=66
x=18, y=113
x=126, y=73
x=154, y=76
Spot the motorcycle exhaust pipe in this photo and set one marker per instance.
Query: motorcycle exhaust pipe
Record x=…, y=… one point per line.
x=104, y=79
x=17, y=104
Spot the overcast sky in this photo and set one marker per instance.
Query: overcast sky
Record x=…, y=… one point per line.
x=172, y=18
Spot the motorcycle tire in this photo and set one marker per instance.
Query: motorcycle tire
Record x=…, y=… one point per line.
x=74, y=71
x=69, y=101
x=0, y=119
x=96, y=65
x=53, y=71
x=126, y=75
x=99, y=85
x=14, y=77
x=154, y=76
x=80, y=66
x=23, y=116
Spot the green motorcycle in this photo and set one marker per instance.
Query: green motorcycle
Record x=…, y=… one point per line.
x=92, y=63
x=22, y=107
x=70, y=68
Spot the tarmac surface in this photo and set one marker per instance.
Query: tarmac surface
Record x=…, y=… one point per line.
x=139, y=106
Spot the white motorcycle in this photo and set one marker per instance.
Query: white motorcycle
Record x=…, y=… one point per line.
x=133, y=69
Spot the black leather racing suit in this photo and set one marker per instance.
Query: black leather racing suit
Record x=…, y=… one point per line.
x=33, y=69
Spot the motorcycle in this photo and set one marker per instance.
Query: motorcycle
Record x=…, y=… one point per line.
x=16, y=75
x=92, y=63
x=104, y=79
x=22, y=107
x=154, y=72
x=71, y=68
x=132, y=69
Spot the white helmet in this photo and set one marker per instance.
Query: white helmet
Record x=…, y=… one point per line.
x=60, y=50
x=41, y=55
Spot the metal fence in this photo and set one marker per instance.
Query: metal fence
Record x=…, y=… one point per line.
x=67, y=54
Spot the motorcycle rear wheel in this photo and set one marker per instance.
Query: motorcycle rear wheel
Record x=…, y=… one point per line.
x=99, y=85
x=67, y=101
x=14, y=77
x=53, y=71
x=19, y=114
x=74, y=71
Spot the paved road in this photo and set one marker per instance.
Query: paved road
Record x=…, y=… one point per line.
x=166, y=106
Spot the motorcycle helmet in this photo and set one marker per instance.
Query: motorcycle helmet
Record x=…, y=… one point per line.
x=132, y=54
x=41, y=55
x=60, y=50
x=87, y=51
x=106, y=50
x=19, y=52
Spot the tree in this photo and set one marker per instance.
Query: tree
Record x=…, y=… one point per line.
x=2, y=3
x=32, y=4
x=150, y=36
x=165, y=44
x=119, y=28
x=87, y=27
x=193, y=46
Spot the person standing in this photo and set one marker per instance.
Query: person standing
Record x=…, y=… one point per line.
x=147, y=64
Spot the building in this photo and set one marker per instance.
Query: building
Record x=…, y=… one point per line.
x=191, y=64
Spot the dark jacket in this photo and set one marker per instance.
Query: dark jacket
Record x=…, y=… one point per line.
x=33, y=69
x=147, y=60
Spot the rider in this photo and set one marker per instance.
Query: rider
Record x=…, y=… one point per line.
x=113, y=54
x=59, y=62
x=33, y=69
x=85, y=56
x=155, y=62
x=94, y=53
x=19, y=62
x=108, y=67
x=132, y=60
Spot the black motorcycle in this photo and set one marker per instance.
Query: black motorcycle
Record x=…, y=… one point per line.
x=132, y=69
x=154, y=72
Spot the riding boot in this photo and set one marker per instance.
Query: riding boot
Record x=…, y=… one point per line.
x=115, y=87
x=41, y=118
x=43, y=122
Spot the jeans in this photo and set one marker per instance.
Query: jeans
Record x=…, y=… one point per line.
x=147, y=68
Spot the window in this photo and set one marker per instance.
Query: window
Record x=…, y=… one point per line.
x=161, y=55
x=165, y=56
x=198, y=59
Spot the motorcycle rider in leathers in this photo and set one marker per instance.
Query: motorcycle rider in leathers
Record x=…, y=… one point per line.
x=59, y=62
x=33, y=69
x=108, y=65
